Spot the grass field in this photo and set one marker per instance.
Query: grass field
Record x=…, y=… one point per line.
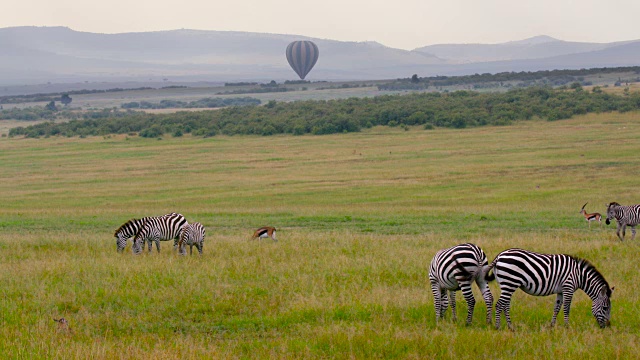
x=359, y=217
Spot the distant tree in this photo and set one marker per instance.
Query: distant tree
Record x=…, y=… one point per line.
x=415, y=79
x=65, y=99
x=51, y=106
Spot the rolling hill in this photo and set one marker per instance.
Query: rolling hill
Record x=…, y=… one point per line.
x=58, y=54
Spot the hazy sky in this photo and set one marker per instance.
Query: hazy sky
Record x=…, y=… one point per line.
x=404, y=24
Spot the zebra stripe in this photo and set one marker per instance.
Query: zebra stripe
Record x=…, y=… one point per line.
x=456, y=268
x=192, y=234
x=159, y=228
x=127, y=230
x=546, y=274
x=625, y=216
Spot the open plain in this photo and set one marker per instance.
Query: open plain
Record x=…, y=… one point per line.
x=359, y=217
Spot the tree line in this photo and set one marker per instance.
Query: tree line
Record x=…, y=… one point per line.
x=522, y=78
x=201, y=103
x=458, y=109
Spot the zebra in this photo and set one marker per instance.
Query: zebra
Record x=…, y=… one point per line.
x=127, y=230
x=456, y=268
x=192, y=234
x=624, y=215
x=164, y=227
x=546, y=274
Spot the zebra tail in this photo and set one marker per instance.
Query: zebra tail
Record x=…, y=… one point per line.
x=466, y=274
x=488, y=275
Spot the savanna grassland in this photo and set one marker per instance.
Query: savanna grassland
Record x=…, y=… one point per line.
x=359, y=217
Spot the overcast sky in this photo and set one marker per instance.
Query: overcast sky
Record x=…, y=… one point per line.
x=405, y=24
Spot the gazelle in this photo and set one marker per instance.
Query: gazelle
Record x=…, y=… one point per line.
x=265, y=232
x=590, y=217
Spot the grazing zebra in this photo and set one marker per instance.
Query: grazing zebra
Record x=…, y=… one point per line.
x=159, y=228
x=591, y=217
x=265, y=232
x=544, y=274
x=127, y=230
x=624, y=215
x=456, y=268
x=192, y=234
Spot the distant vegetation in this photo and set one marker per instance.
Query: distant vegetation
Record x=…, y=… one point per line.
x=202, y=103
x=42, y=97
x=458, y=109
x=506, y=79
x=262, y=88
x=35, y=113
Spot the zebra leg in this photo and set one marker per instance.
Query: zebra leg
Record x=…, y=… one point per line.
x=158, y=245
x=471, y=301
x=623, y=228
x=452, y=295
x=503, y=305
x=556, y=309
x=444, y=301
x=633, y=232
x=437, y=299
x=487, y=296
x=568, y=295
x=199, y=247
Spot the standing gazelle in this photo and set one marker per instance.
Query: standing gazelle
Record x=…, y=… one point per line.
x=590, y=217
x=265, y=232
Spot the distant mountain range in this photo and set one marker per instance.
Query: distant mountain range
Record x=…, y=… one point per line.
x=30, y=55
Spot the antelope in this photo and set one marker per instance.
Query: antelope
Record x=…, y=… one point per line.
x=590, y=217
x=265, y=232
x=63, y=325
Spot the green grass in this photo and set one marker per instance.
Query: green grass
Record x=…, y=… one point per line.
x=359, y=217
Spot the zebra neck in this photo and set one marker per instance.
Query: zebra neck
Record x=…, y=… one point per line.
x=590, y=282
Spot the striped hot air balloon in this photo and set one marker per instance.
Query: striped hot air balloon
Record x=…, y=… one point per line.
x=302, y=55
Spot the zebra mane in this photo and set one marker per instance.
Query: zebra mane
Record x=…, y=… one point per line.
x=124, y=225
x=614, y=204
x=585, y=264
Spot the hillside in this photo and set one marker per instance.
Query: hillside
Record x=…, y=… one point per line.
x=61, y=54
x=538, y=47
x=32, y=55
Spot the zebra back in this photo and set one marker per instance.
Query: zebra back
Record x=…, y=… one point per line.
x=130, y=228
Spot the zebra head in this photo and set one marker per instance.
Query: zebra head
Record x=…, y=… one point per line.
x=138, y=244
x=601, y=308
x=611, y=212
x=121, y=242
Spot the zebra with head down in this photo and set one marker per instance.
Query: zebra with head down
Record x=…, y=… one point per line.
x=166, y=227
x=546, y=274
x=126, y=231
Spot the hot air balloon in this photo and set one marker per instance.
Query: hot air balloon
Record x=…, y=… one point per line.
x=302, y=55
